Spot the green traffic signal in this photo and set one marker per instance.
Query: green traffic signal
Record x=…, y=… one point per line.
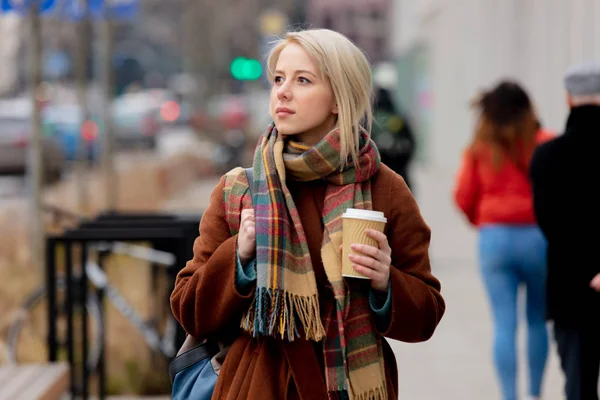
x=245, y=69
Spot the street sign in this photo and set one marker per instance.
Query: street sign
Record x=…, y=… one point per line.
x=97, y=9
x=121, y=9
x=75, y=9
x=22, y=6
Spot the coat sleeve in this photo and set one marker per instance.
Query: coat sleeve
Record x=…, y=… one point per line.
x=466, y=188
x=205, y=298
x=417, y=305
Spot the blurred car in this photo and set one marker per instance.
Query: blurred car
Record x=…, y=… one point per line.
x=65, y=123
x=15, y=134
x=174, y=110
x=244, y=110
x=135, y=120
x=170, y=108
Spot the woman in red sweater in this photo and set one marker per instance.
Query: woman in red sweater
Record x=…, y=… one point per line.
x=494, y=193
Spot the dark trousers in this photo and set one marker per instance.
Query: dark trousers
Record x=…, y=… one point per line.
x=579, y=350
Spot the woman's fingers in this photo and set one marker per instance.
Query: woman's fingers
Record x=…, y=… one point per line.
x=381, y=239
x=373, y=252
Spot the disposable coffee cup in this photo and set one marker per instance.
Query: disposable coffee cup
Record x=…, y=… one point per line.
x=354, y=224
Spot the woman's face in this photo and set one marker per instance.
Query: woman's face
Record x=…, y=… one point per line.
x=302, y=102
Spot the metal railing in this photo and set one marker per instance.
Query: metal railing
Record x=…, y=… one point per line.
x=171, y=240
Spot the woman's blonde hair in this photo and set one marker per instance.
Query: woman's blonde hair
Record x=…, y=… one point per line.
x=348, y=71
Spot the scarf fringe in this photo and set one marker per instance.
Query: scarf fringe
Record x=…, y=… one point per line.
x=275, y=312
x=373, y=394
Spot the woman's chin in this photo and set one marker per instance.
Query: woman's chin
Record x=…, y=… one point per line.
x=286, y=130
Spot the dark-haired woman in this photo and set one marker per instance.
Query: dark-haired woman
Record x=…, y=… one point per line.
x=494, y=193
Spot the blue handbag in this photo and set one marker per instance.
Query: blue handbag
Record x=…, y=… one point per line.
x=192, y=373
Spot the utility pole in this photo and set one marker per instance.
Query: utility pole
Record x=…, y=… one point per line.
x=108, y=162
x=83, y=28
x=36, y=171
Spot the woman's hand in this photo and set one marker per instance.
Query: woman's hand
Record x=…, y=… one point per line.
x=374, y=263
x=595, y=283
x=247, y=237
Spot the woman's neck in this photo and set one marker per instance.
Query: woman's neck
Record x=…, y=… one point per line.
x=316, y=134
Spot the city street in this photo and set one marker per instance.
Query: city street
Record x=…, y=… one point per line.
x=456, y=364
x=10, y=188
x=185, y=89
x=170, y=142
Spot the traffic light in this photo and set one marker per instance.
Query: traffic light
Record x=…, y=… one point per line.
x=246, y=69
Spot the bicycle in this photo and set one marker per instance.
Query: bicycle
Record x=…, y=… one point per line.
x=163, y=343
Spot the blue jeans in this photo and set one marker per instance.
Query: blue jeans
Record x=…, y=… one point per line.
x=511, y=255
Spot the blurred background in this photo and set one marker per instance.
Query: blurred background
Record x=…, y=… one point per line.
x=140, y=106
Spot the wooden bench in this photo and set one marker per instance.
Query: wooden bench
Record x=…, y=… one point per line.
x=34, y=381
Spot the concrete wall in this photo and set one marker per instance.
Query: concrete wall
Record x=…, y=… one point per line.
x=470, y=44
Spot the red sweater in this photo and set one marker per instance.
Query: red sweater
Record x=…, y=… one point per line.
x=490, y=196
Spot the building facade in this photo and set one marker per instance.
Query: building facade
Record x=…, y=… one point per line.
x=447, y=51
x=365, y=22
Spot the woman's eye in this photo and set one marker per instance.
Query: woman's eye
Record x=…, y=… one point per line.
x=278, y=79
x=303, y=80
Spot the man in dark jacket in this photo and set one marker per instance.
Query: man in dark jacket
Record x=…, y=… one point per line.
x=393, y=135
x=565, y=174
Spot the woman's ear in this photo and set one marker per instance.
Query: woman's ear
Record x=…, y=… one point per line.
x=335, y=109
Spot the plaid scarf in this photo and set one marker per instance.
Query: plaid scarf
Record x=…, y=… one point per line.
x=286, y=300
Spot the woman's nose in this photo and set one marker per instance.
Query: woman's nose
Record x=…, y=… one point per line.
x=284, y=92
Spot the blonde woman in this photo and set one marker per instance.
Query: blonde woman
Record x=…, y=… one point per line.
x=268, y=269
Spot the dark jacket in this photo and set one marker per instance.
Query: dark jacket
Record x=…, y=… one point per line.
x=565, y=177
x=393, y=135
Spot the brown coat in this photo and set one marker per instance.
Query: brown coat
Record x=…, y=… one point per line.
x=205, y=300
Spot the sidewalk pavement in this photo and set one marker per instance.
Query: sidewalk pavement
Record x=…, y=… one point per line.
x=456, y=363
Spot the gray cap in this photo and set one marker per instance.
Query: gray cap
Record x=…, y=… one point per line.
x=583, y=79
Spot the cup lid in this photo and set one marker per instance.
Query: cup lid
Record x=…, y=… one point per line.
x=369, y=215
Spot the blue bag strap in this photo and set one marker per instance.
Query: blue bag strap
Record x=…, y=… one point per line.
x=190, y=356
